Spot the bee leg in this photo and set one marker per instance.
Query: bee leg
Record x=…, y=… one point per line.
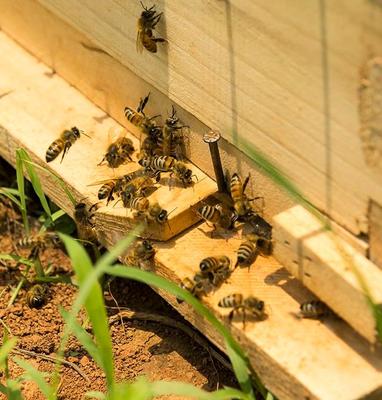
x=244, y=318
x=230, y=315
x=159, y=40
x=66, y=148
x=245, y=183
x=101, y=161
x=156, y=19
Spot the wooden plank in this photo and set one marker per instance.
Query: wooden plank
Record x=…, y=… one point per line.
x=245, y=67
x=375, y=233
x=85, y=65
x=35, y=96
x=297, y=359
x=326, y=265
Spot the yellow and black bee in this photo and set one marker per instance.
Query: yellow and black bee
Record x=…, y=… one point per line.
x=36, y=296
x=137, y=187
x=39, y=242
x=146, y=24
x=218, y=215
x=238, y=302
x=246, y=253
x=182, y=173
x=119, y=152
x=314, y=309
x=83, y=216
x=63, y=143
x=240, y=200
x=142, y=254
x=198, y=286
x=158, y=163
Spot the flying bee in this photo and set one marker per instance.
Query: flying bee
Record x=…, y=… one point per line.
x=218, y=216
x=314, y=309
x=146, y=24
x=36, y=296
x=119, y=151
x=238, y=302
x=63, y=143
x=39, y=242
x=240, y=200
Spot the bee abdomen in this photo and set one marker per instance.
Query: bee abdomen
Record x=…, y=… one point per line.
x=36, y=296
x=54, y=150
x=233, y=300
x=236, y=187
x=209, y=264
x=314, y=309
x=209, y=213
x=245, y=252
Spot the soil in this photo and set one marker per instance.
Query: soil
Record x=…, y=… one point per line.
x=139, y=347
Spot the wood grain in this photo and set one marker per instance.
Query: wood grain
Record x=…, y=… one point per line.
x=285, y=76
x=111, y=85
x=40, y=106
x=296, y=359
x=329, y=267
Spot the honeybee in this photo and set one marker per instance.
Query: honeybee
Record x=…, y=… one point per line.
x=63, y=143
x=198, y=286
x=241, y=202
x=183, y=173
x=142, y=254
x=314, y=309
x=146, y=24
x=261, y=227
x=83, y=217
x=171, y=142
x=118, y=152
x=246, y=253
x=216, y=269
x=218, y=216
x=238, y=302
x=135, y=188
x=39, y=242
x=36, y=296
x=158, y=163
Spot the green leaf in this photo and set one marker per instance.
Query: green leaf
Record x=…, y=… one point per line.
x=13, y=390
x=33, y=374
x=15, y=257
x=35, y=180
x=58, y=180
x=51, y=221
x=11, y=196
x=94, y=305
x=151, y=279
x=84, y=338
x=5, y=349
x=21, y=189
x=95, y=395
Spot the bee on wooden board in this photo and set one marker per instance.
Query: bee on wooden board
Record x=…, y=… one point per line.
x=218, y=215
x=151, y=212
x=314, y=309
x=238, y=302
x=171, y=142
x=137, y=187
x=240, y=200
x=142, y=254
x=216, y=269
x=36, y=296
x=119, y=150
x=63, y=143
x=39, y=242
x=146, y=24
x=198, y=286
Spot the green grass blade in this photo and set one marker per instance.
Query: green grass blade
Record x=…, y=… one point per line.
x=53, y=218
x=95, y=395
x=184, y=389
x=5, y=349
x=33, y=374
x=13, y=390
x=83, y=337
x=21, y=189
x=35, y=180
x=58, y=180
x=94, y=305
x=241, y=366
x=15, y=257
x=11, y=196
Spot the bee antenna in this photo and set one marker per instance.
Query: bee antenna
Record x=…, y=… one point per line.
x=117, y=202
x=173, y=111
x=171, y=211
x=83, y=133
x=81, y=200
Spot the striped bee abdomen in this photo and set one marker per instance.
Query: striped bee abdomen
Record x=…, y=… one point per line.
x=233, y=300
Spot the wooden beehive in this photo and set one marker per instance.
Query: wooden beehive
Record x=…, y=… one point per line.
x=300, y=81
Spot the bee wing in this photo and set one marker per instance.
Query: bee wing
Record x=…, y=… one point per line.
x=115, y=133
x=139, y=43
x=101, y=182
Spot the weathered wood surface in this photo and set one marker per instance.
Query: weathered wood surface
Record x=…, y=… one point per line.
x=296, y=358
x=328, y=267
x=37, y=106
x=111, y=85
x=375, y=233
x=284, y=75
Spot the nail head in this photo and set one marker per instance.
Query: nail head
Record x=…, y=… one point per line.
x=211, y=136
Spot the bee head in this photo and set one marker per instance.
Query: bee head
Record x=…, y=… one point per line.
x=80, y=207
x=148, y=12
x=147, y=245
x=162, y=216
x=76, y=131
x=172, y=120
x=203, y=266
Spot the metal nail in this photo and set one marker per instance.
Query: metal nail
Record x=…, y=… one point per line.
x=212, y=138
